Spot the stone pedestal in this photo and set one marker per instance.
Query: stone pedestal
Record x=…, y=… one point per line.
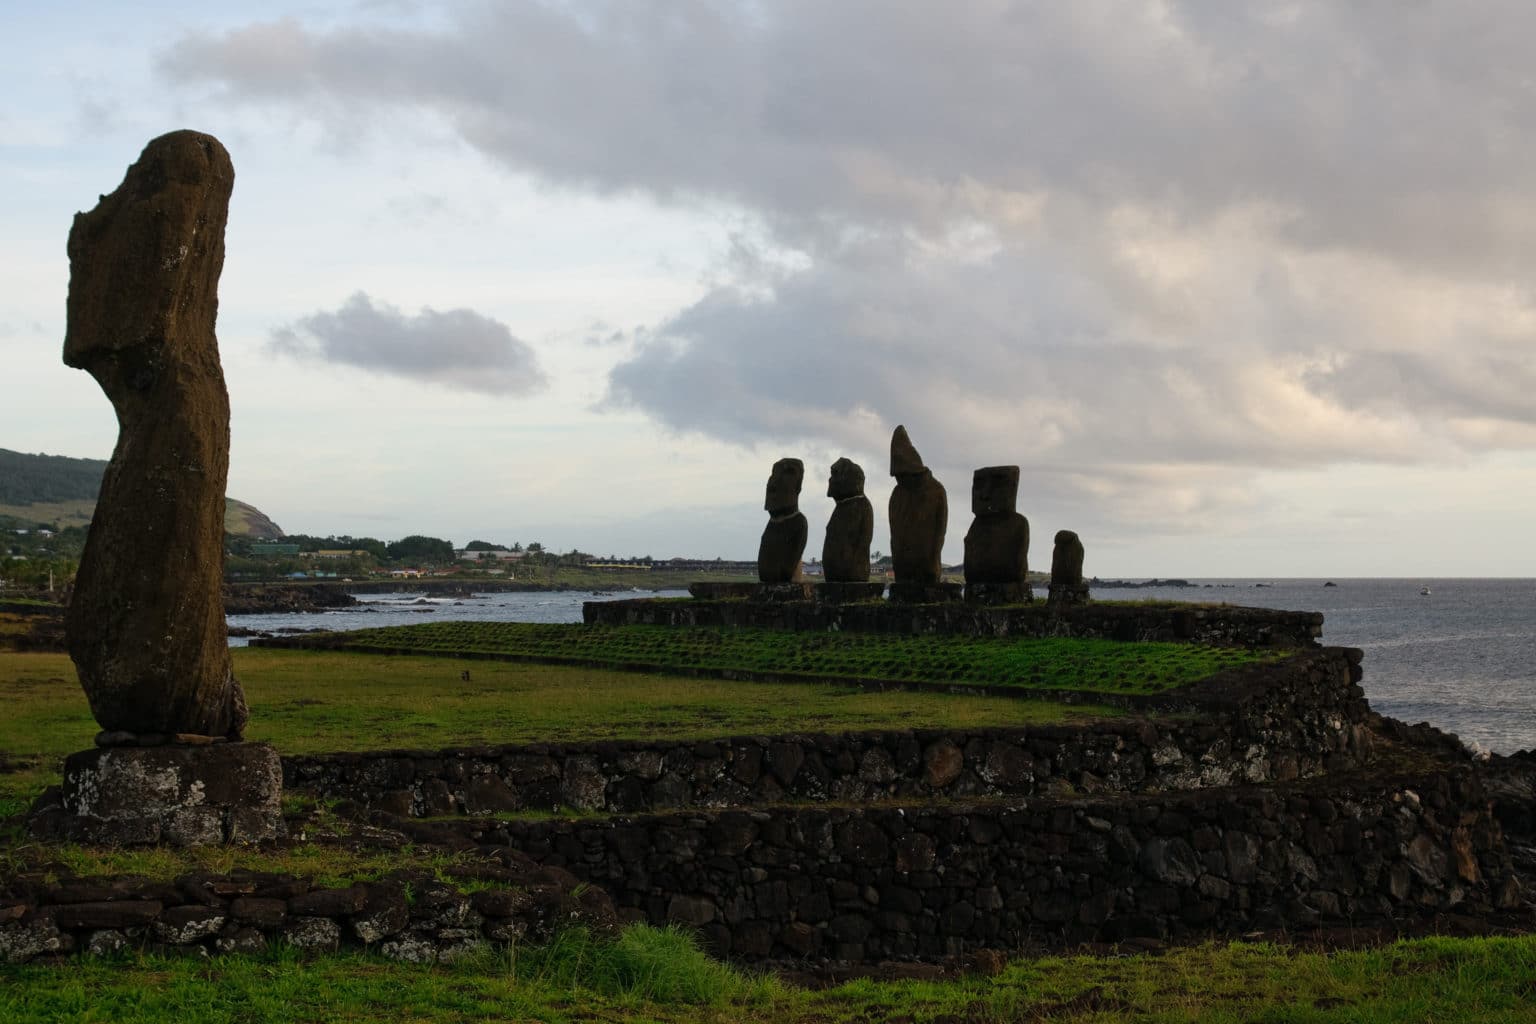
x=1064, y=595
x=176, y=795
x=850, y=593
x=998, y=593
x=925, y=593
x=710, y=591
x=778, y=593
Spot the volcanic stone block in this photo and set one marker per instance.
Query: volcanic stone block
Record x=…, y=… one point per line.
x=997, y=544
x=919, y=515
x=845, y=552
x=145, y=625
x=778, y=555
x=1067, y=586
x=184, y=796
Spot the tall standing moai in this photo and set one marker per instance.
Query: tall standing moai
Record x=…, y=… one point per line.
x=845, y=552
x=919, y=514
x=997, y=544
x=145, y=625
x=1067, y=586
x=783, y=542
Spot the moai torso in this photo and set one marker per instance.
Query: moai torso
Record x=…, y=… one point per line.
x=845, y=552
x=145, y=625
x=919, y=514
x=997, y=544
x=783, y=541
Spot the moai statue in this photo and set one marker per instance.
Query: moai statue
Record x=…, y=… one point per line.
x=845, y=553
x=919, y=514
x=1067, y=586
x=778, y=555
x=145, y=624
x=997, y=544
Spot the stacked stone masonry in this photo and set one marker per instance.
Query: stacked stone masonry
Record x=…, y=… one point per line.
x=929, y=881
x=1298, y=717
x=1216, y=624
x=409, y=915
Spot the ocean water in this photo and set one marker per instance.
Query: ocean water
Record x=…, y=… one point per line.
x=1462, y=658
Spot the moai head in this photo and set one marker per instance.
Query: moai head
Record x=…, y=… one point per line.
x=906, y=464
x=995, y=490
x=783, y=495
x=846, y=481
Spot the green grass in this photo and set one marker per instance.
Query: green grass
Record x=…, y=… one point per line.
x=658, y=975
x=1096, y=666
x=313, y=702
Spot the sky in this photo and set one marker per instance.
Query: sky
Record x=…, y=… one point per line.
x=1244, y=289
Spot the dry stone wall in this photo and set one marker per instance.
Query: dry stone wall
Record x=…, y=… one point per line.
x=935, y=880
x=1214, y=624
x=1295, y=718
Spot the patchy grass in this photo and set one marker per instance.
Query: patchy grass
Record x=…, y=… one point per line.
x=659, y=975
x=313, y=702
x=1059, y=663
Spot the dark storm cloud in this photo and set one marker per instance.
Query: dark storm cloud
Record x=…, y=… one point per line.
x=1124, y=244
x=456, y=348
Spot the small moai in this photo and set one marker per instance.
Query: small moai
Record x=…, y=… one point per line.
x=919, y=515
x=145, y=625
x=845, y=552
x=1067, y=586
x=997, y=544
x=783, y=542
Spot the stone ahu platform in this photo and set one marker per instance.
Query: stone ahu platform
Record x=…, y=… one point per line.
x=813, y=608
x=180, y=795
x=1275, y=800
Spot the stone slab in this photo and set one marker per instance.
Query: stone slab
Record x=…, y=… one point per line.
x=706, y=591
x=177, y=795
x=850, y=593
x=999, y=593
x=925, y=593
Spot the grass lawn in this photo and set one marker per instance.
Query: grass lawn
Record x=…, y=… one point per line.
x=314, y=701
x=1103, y=666
x=651, y=974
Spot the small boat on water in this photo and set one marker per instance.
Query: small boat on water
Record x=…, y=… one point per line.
x=1424, y=591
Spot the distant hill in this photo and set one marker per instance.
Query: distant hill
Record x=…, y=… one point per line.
x=61, y=490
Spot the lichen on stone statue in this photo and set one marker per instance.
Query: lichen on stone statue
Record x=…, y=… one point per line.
x=845, y=552
x=783, y=541
x=145, y=625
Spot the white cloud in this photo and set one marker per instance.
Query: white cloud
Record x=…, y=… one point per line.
x=457, y=348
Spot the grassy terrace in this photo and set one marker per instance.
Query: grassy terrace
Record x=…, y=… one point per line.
x=319, y=701
x=652, y=975
x=1097, y=666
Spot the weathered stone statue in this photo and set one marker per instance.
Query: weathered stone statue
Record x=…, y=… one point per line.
x=919, y=514
x=778, y=555
x=997, y=544
x=1067, y=586
x=845, y=553
x=145, y=624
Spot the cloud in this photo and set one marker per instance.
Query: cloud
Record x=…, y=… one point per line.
x=457, y=348
x=1147, y=250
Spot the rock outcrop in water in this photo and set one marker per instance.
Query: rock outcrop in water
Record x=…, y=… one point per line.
x=146, y=624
